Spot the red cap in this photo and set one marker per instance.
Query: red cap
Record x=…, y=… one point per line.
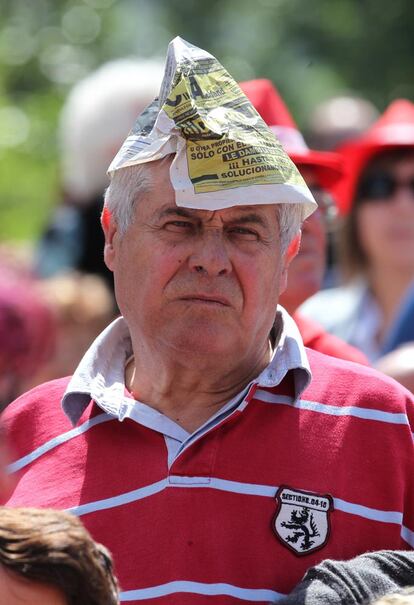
x=395, y=128
x=270, y=105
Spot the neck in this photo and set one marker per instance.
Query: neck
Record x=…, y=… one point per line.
x=189, y=395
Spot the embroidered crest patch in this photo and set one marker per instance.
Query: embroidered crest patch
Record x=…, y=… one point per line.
x=302, y=519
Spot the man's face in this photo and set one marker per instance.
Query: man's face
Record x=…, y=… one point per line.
x=197, y=281
x=307, y=269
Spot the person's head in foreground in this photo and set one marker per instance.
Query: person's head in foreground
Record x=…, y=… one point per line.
x=48, y=558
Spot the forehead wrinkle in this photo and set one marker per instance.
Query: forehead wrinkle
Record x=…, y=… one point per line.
x=251, y=216
x=190, y=213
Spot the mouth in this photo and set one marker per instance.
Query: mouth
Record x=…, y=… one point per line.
x=207, y=300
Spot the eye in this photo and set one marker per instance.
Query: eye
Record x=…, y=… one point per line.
x=179, y=226
x=243, y=233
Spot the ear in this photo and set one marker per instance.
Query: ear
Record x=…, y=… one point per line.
x=110, y=230
x=105, y=218
x=288, y=257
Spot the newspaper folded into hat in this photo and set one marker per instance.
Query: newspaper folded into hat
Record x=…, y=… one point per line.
x=225, y=153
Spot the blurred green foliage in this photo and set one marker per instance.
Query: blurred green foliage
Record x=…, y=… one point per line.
x=311, y=49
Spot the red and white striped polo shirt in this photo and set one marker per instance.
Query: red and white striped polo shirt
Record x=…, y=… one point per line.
x=279, y=480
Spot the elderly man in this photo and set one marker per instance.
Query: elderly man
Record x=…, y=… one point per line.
x=198, y=439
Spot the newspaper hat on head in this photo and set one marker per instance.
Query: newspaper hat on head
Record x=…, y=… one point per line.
x=225, y=155
x=270, y=105
x=393, y=130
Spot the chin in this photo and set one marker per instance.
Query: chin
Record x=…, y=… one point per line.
x=203, y=343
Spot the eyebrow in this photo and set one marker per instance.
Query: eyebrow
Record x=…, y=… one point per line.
x=251, y=217
x=176, y=211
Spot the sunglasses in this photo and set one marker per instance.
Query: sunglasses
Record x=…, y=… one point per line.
x=382, y=186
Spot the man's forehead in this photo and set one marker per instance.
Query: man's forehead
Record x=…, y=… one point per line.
x=256, y=210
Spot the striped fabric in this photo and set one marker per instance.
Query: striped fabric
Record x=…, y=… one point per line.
x=205, y=526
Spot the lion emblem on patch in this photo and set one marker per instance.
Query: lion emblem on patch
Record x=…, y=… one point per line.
x=302, y=519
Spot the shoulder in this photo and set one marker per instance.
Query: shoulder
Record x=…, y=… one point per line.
x=35, y=418
x=41, y=401
x=342, y=382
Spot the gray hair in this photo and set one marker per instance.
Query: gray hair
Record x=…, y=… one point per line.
x=129, y=184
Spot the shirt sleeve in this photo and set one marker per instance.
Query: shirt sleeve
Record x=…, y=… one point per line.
x=360, y=580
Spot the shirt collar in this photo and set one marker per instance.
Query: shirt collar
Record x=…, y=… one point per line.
x=101, y=373
x=289, y=354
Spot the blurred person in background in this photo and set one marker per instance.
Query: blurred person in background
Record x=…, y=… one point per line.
x=339, y=119
x=398, y=358
x=94, y=121
x=27, y=331
x=47, y=557
x=403, y=327
x=330, y=124
x=321, y=170
x=46, y=325
x=82, y=305
x=399, y=364
x=376, y=198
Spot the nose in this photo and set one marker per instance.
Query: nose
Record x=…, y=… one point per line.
x=210, y=255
